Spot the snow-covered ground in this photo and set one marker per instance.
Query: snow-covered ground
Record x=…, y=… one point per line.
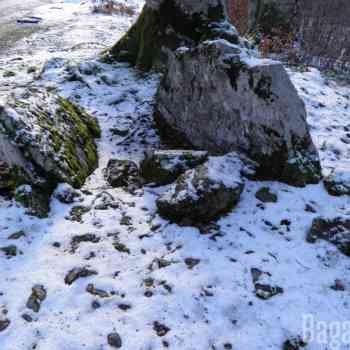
x=198, y=285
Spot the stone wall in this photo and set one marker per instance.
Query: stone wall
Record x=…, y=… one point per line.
x=322, y=27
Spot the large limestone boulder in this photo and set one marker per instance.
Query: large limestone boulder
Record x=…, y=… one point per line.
x=204, y=193
x=219, y=98
x=45, y=140
x=215, y=95
x=165, y=25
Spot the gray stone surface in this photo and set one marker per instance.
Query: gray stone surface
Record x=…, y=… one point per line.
x=162, y=167
x=237, y=103
x=45, y=140
x=204, y=193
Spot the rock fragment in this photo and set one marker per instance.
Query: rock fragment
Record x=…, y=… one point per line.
x=78, y=272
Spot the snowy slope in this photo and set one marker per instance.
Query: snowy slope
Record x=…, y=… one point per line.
x=196, y=284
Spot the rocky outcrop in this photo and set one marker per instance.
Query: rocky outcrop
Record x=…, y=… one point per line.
x=45, y=140
x=237, y=103
x=204, y=193
x=215, y=96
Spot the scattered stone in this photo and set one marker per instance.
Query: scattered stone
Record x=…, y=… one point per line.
x=16, y=235
x=294, y=344
x=337, y=183
x=121, y=247
x=160, y=329
x=9, y=74
x=204, y=193
x=265, y=291
x=148, y=294
x=126, y=220
x=66, y=194
x=114, y=340
x=105, y=201
x=335, y=231
x=88, y=237
x=119, y=132
x=27, y=318
x=159, y=263
x=96, y=291
x=262, y=284
x=149, y=282
x=191, y=262
x=4, y=324
x=310, y=209
x=124, y=307
x=10, y=250
x=95, y=304
x=338, y=285
x=29, y=20
x=266, y=196
x=164, y=167
x=78, y=272
x=36, y=298
x=122, y=173
x=77, y=212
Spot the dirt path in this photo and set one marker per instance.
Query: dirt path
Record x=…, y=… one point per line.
x=10, y=31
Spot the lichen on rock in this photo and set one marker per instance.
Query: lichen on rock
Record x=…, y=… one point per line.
x=45, y=140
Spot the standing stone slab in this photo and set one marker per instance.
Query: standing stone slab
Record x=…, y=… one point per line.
x=219, y=98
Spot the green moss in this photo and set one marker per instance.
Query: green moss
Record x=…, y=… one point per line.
x=12, y=178
x=166, y=27
x=83, y=130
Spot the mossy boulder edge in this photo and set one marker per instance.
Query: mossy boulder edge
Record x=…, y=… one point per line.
x=45, y=140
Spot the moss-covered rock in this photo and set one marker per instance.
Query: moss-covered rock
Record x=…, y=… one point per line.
x=167, y=25
x=45, y=140
x=35, y=199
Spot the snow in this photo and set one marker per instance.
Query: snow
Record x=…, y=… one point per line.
x=205, y=307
